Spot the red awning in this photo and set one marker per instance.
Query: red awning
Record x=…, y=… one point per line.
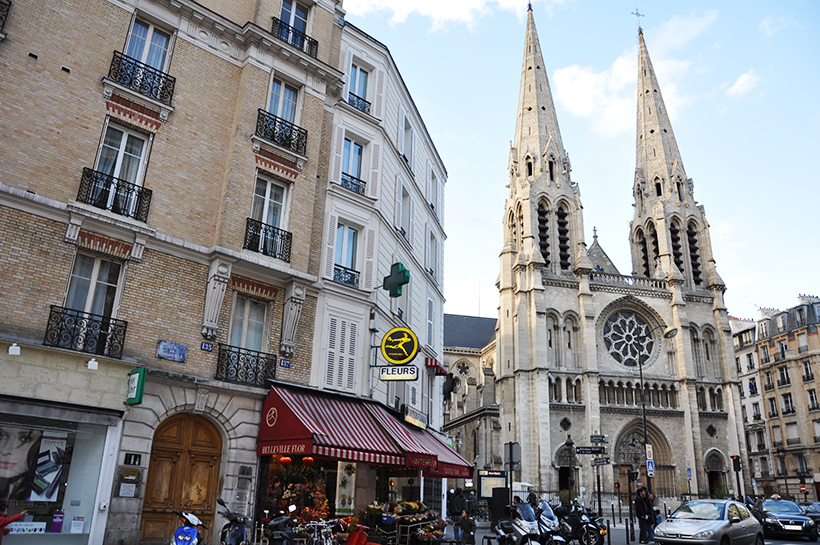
x=296, y=423
x=450, y=463
x=415, y=454
x=432, y=364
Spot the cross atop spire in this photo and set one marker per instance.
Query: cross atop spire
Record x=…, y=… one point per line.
x=529, y=6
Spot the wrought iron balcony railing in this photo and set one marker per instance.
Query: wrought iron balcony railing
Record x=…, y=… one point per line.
x=281, y=132
x=267, y=239
x=141, y=78
x=808, y=378
x=348, y=277
x=243, y=366
x=296, y=38
x=793, y=441
x=814, y=407
x=783, y=382
x=768, y=386
x=772, y=414
x=85, y=332
x=5, y=6
x=761, y=446
x=353, y=184
x=359, y=103
x=115, y=195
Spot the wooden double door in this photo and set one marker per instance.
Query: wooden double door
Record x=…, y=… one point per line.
x=183, y=475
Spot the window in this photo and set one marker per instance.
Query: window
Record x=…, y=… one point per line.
x=265, y=232
x=737, y=365
x=342, y=342
x=743, y=412
x=148, y=44
x=295, y=15
x=407, y=140
x=768, y=378
x=93, y=285
x=783, y=376
x=752, y=386
x=802, y=467
x=756, y=411
x=248, y=324
x=764, y=329
x=403, y=304
x=352, y=159
x=808, y=374
x=782, y=349
x=431, y=322
x=432, y=255
x=268, y=203
x=764, y=354
x=812, y=399
x=122, y=154
x=761, y=440
x=764, y=466
x=750, y=361
x=283, y=98
x=358, y=81
x=346, y=246
x=777, y=438
x=406, y=215
x=800, y=316
x=772, y=407
x=802, y=345
x=433, y=193
x=781, y=322
x=788, y=404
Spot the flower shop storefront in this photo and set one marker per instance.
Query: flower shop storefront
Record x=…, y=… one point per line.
x=337, y=456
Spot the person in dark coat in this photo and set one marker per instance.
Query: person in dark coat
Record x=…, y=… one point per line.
x=468, y=527
x=643, y=510
x=472, y=504
x=456, y=508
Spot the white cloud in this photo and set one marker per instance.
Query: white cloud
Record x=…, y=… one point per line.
x=770, y=26
x=465, y=12
x=745, y=83
x=678, y=31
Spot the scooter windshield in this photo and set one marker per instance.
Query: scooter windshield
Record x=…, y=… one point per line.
x=546, y=510
x=526, y=512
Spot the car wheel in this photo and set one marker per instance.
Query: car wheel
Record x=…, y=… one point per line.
x=724, y=541
x=813, y=537
x=759, y=540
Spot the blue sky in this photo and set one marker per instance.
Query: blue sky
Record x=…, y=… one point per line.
x=741, y=82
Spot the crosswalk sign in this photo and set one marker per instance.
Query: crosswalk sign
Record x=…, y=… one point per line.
x=650, y=468
x=689, y=473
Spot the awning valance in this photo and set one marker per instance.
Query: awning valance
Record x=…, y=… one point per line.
x=450, y=463
x=433, y=365
x=295, y=423
x=415, y=454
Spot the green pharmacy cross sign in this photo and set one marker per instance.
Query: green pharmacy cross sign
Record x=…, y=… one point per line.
x=398, y=277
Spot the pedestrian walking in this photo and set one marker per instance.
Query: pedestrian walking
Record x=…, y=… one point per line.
x=643, y=510
x=456, y=508
x=468, y=528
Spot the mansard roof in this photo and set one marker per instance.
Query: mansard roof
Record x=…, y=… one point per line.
x=468, y=331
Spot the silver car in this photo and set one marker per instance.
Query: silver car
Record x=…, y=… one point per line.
x=718, y=522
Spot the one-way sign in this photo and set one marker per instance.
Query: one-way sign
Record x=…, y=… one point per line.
x=590, y=450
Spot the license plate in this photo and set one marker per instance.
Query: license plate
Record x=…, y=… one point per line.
x=792, y=527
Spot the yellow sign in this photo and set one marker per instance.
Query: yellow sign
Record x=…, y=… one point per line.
x=400, y=346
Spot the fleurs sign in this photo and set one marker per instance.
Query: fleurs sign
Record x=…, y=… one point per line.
x=399, y=346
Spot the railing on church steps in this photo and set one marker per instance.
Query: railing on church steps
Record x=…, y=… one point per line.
x=296, y=38
x=85, y=332
x=115, y=195
x=5, y=6
x=634, y=281
x=141, y=78
x=359, y=103
x=281, y=132
x=267, y=240
x=243, y=366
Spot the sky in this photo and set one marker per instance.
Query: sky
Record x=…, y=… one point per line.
x=741, y=83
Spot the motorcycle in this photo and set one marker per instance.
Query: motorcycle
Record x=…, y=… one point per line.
x=188, y=533
x=548, y=525
x=576, y=526
x=235, y=531
x=520, y=529
x=279, y=529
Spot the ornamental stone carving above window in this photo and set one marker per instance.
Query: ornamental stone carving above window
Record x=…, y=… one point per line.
x=627, y=339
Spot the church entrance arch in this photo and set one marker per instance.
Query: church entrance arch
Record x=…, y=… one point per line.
x=630, y=455
x=716, y=472
x=183, y=475
x=565, y=461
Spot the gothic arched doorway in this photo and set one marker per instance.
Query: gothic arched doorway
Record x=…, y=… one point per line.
x=565, y=461
x=716, y=472
x=183, y=475
x=630, y=455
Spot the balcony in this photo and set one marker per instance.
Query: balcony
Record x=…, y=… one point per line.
x=348, y=277
x=814, y=407
x=789, y=410
x=281, y=132
x=768, y=386
x=635, y=281
x=761, y=446
x=808, y=378
x=783, y=382
x=772, y=414
x=757, y=417
x=115, y=195
x=359, y=103
x=5, y=6
x=267, y=240
x=764, y=473
x=353, y=184
x=793, y=441
x=296, y=38
x=85, y=332
x=243, y=366
x=141, y=78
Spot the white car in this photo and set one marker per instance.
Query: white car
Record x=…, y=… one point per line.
x=713, y=522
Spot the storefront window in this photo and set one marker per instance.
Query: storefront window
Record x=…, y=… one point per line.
x=51, y=468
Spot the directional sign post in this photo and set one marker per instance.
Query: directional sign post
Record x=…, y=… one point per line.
x=603, y=461
x=590, y=450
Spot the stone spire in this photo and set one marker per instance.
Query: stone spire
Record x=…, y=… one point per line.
x=537, y=125
x=658, y=158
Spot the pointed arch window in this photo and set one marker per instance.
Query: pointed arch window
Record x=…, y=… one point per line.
x=563, y=237
x=520, y=214
x=658, y=188
x=552, y=169
x=543, y=232
x=644, y=251
x=652, y=234
x=677, y=251
x=694, y=252
x=529, y=167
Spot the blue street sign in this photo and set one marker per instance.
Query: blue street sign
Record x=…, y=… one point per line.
x=689, y=473
x=650, y=468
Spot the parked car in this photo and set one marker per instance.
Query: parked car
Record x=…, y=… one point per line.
x=783, y=517
x=811, y=509
x=717, y=522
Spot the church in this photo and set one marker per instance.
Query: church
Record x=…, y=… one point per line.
x=643, y=360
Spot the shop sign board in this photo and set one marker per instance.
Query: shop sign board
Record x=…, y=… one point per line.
x=404, y=372
x=417, y=418
x=400, y=346
x=136, y=384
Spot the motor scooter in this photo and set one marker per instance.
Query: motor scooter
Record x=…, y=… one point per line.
x=575, y=525
x=548, y=525
x=235, y=531
x=279, y=530
x=188, y=533
x=521, y=528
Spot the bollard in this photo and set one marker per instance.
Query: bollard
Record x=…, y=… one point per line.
x=665, y=511
x=608, y=532
x=626, y=529
x=613, y=513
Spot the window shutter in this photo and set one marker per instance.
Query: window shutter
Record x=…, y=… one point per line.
x=337, y=155
x=430, y=340
x=397, y=219
x=331, y=351
x=373, y=183
x=430, y=197
x=370, y=245
x=412, y=157
x=340, y=367
x=349, y=64
x=412, y=221
x=400, y=139
x=350, y=372
x=331, y=245
x=379, y=100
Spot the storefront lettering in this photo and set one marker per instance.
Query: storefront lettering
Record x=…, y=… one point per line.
x=421, y=461
x=284, y=449
x=408, y=372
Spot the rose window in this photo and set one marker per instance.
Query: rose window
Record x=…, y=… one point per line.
x=626, y=337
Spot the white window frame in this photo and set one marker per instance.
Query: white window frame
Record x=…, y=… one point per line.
x=341, y=351
x=356, y=69
x=100, y=188
x=276, y=109
x=812, y=394
x=342, y=254
x=293, y=15
x=432, y=254
x=348, y=156
x=266, y=201
x=149, y=42
x=243, y=342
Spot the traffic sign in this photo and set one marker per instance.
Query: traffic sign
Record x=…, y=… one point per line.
x=604, y=461
x=803, y=489
x=688, y=462
x=649, y=452
x=689, y=473
x=650, y=468
x=597, y=439
x=590, y=450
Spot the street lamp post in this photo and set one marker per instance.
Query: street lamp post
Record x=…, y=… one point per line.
x=668, y=333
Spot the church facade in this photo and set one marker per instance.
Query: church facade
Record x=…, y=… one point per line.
x=576, y=340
